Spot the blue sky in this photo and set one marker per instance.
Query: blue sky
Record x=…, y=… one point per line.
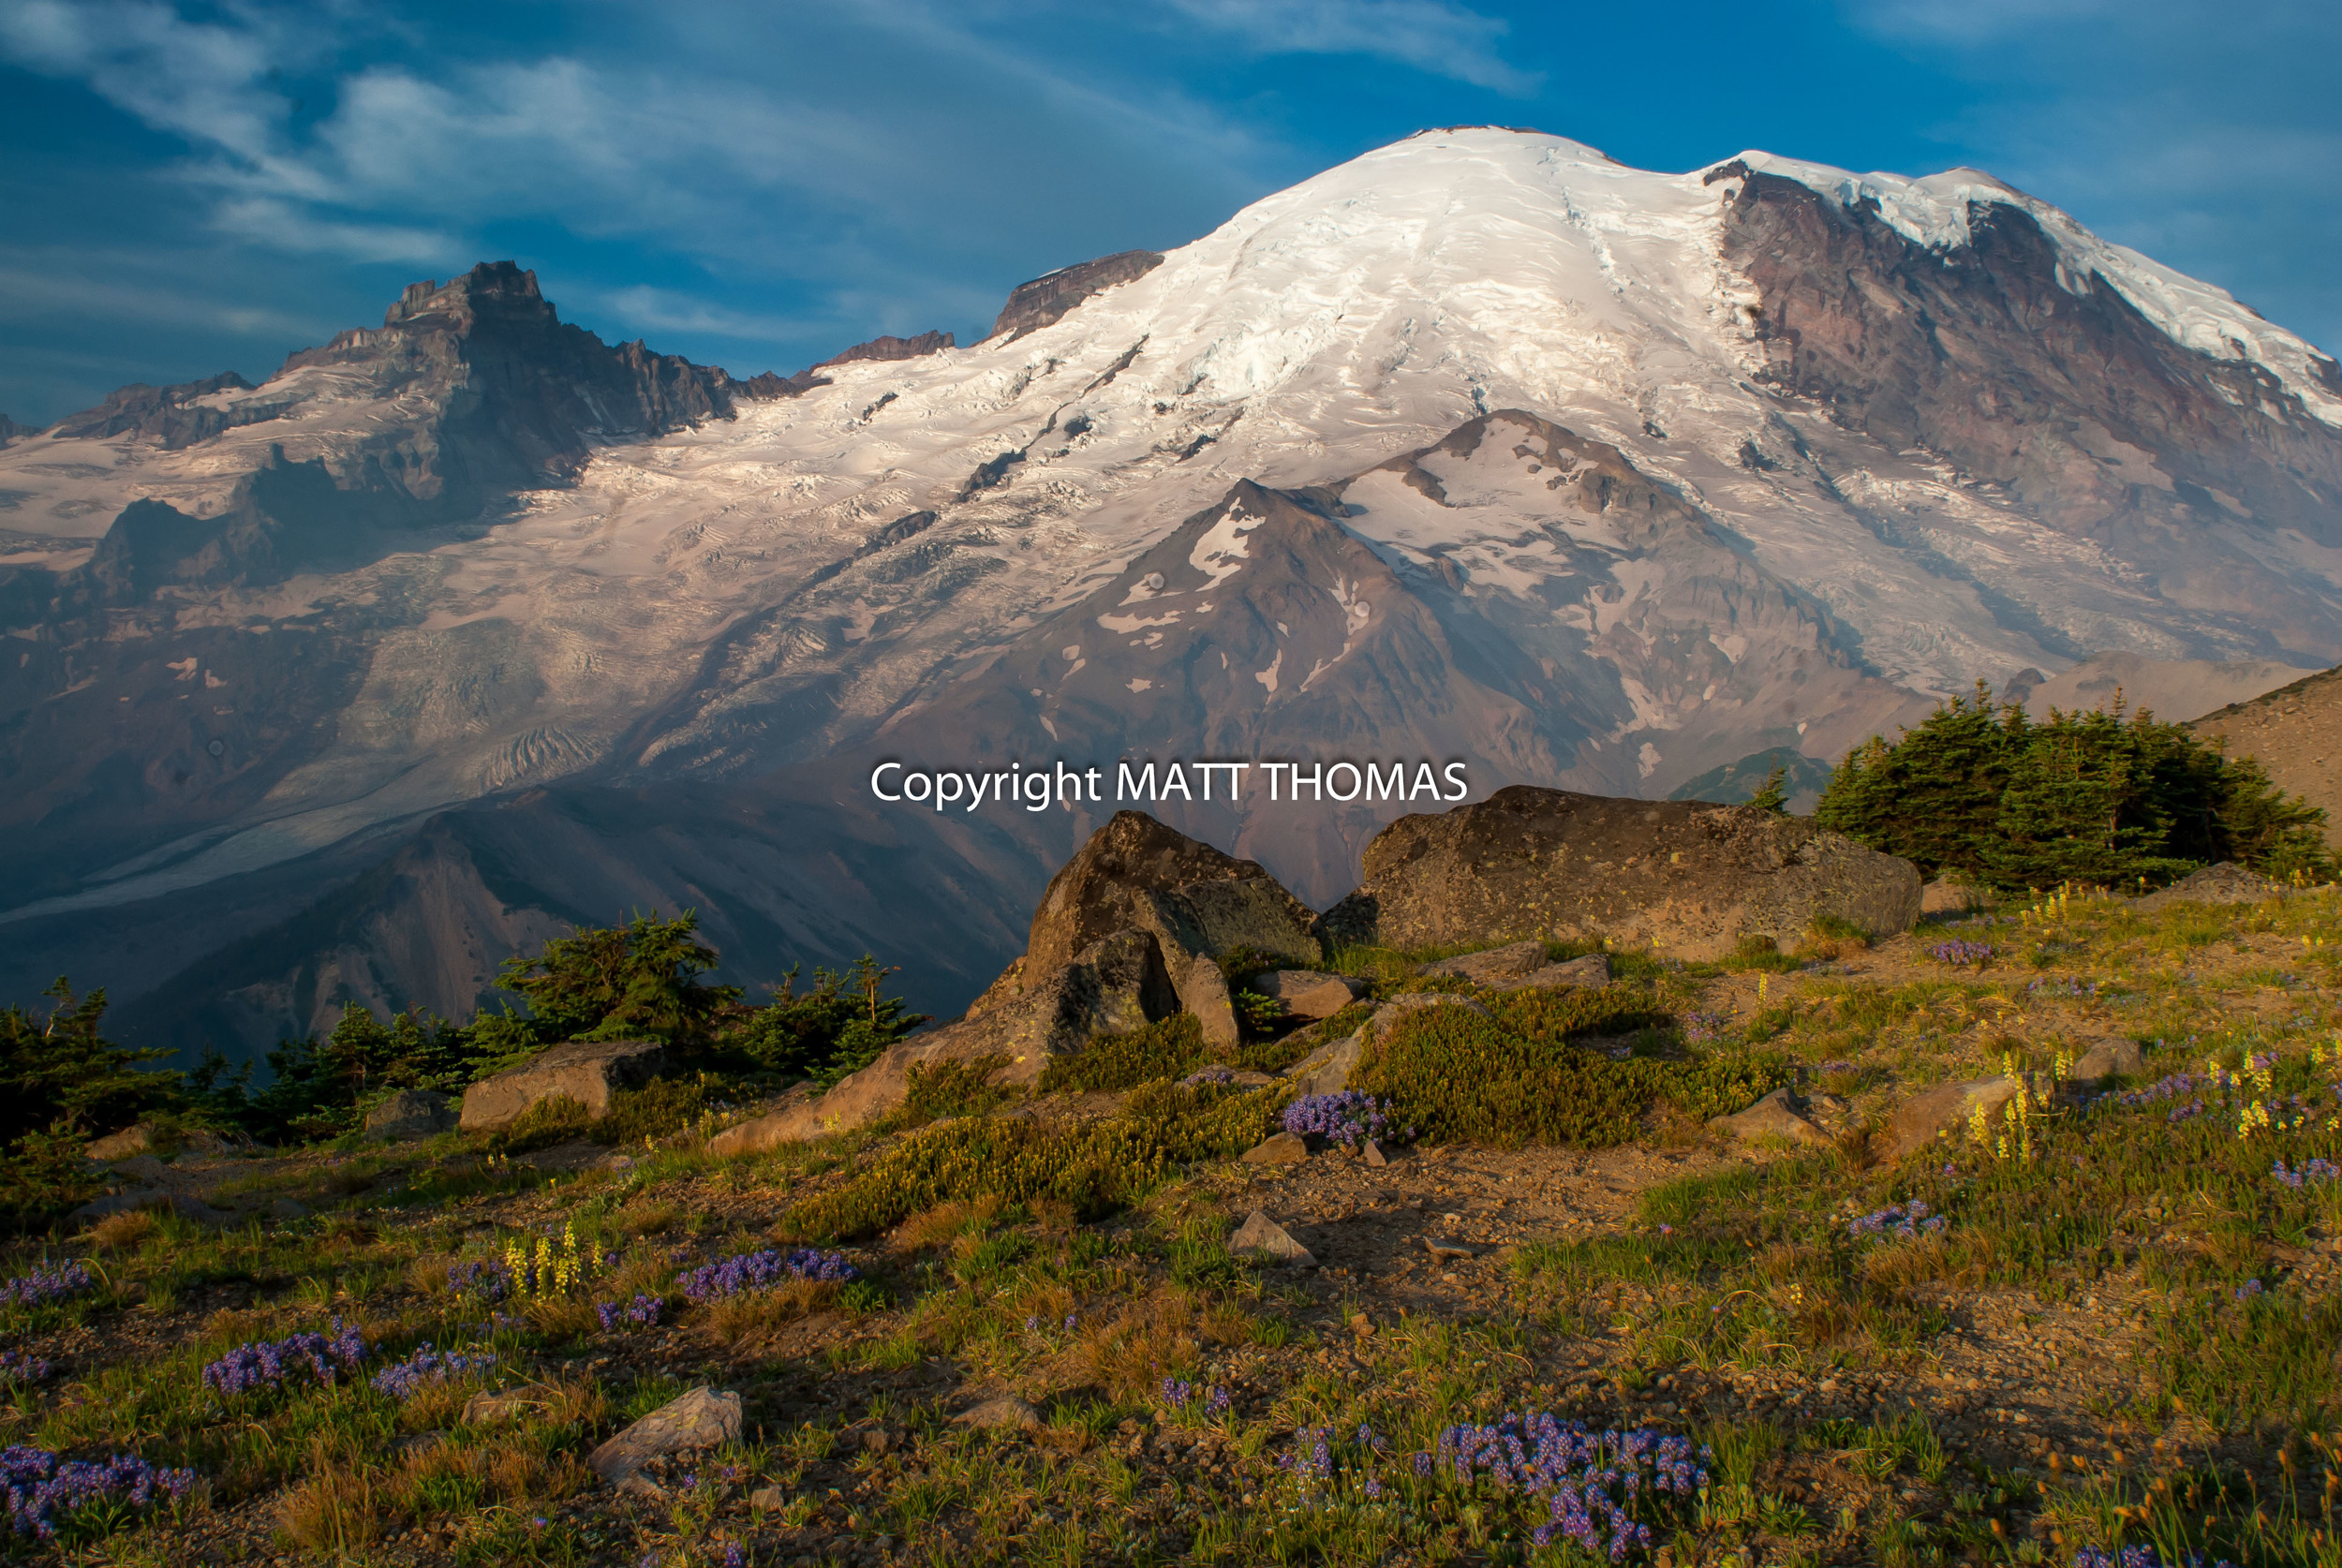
x=196, y=187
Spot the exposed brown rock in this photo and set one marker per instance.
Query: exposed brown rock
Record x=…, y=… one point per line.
x=1112, y=986
x=1136, y=872
x=1308, y=993
x=409, y=1115
x=135, y=1139
x=1264, y=1240
x=699, y=1419
x=587, y=1071
x=1046, y=300
x=1946, y=1111
x=1687, y=877
x=1778, y=1115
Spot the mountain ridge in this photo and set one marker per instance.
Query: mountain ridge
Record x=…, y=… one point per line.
x=1654, y=472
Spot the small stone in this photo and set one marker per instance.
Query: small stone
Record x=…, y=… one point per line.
x=1439, y=1248
x=1361, y=1325
x=995, y=1414
x=1373, y=1154
x=875, y=1439
x=1262, y=1237
x=1283, y=1148
x=698, y=1419
x=769, y=1500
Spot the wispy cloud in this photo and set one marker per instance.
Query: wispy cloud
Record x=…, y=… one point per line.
x=1431, y=36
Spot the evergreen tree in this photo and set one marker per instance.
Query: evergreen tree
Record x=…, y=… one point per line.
x=1773, y=793
x=2101, y=797
x=639, y=979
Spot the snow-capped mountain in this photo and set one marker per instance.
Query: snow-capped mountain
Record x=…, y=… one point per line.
x=1479, y=447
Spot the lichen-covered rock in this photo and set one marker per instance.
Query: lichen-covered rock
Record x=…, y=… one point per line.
x=1264, y=1240
x=1686, y=876
x=409, y=1115
x=699, y=1419
x=1137, y=873
x=1947, y=1111
x=589, y=1072
x=1778, y=1115
x=1113, y=986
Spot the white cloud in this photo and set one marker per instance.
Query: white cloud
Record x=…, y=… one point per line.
x=662, y=310
x=1429, y=34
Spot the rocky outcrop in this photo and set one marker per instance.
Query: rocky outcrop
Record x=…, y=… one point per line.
x=1046, y=300
x=1137, y=873
x=409, y=1115
x=589, y=1071
x=1687, y=879
x=1112, y=986
x=172, y=416
x=891, y=348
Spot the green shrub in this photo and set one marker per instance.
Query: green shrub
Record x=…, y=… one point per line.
x=1275, y=1055
x=659, y=1107
x=1551, y=1016
x=544, y=1124
x=1168, y=1048
x=1456, y=1077
x=1256, y=1015
x=934, y=1091
x=1094, y=1167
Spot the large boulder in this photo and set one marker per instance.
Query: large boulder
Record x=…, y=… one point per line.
x=1112, y=986
x=1686, y=876
x=1137, y=873
x=409, y=1115
x=589, y=1072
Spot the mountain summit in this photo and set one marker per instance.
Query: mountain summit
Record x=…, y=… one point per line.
x=1480, y=447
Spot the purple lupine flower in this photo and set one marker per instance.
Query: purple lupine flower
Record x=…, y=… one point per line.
x=1964, y=955
x=479, y=1281
x=404, y=1379
x=47, y=1284
x=45, y=1491
x=756, y=1271
x=641, y=1312
x=268, y=1364
x=1349, y=1118
x=21, y=1367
